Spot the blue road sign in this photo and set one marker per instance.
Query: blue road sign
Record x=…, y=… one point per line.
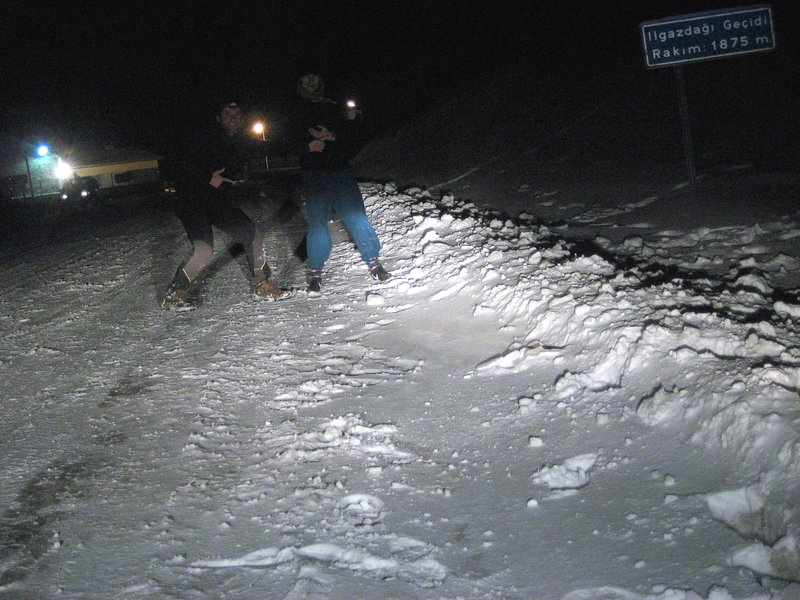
x=708, y=35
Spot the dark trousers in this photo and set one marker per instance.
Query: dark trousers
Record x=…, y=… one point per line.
x=199, y=212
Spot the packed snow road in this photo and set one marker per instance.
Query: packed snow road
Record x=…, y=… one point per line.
x=504, y=418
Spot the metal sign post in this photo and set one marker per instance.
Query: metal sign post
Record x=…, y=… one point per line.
x=674, y=41
x=30, y=179
x=686, y=130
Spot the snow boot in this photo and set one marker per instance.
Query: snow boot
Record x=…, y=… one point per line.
x=376, y=270
x=268, y=290
x=314, y=282
x=177, y=295
x=264, y=287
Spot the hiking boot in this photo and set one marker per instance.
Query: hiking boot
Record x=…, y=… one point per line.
x=267, y=289
x=314, y=282
x=177, y=300
x=177, y=295
x=377, y=271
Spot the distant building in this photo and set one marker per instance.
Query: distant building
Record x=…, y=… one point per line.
x=23, y=174
x=114, y=167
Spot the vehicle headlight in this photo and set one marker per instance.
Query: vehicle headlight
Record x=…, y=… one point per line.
x=63, y=170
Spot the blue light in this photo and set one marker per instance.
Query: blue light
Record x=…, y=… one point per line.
x=42, y=150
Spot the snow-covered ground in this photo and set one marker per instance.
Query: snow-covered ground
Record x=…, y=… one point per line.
x=601, y=407
x=505, y=418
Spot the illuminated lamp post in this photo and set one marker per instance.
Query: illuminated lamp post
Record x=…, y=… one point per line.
x=42, y=150
x=260, y=128
x=30, y=180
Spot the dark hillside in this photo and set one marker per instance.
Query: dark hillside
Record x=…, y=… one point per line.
x=592, y=138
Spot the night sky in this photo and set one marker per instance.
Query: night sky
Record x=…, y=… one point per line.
x=146, y=73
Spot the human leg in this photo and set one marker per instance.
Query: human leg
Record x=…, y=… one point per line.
x=236, y=223
x=349, y=205
x=198, y=229
x=202, y=252
x=316, y=188
x=196, y=220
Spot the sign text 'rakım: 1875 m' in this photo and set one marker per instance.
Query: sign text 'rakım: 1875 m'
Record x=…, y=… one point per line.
x=708, y=35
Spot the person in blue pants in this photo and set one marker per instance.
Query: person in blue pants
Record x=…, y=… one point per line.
x=327, y=135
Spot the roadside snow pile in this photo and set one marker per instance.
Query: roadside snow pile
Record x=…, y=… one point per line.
x=608, y=593
x=750, y=258
x=709, y=362
x=425, y=572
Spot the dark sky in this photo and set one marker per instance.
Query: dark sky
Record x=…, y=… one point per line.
x=146, y=72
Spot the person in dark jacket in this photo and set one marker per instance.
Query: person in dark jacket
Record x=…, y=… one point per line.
x=204, y=185
x=327, y=135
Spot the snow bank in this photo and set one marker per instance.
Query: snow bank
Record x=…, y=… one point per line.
x=624, y=343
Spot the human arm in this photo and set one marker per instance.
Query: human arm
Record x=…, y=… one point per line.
x=217, y=179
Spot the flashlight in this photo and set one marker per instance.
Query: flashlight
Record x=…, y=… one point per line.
x=351, y=103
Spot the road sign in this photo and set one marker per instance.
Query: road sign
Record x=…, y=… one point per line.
x=708, y=35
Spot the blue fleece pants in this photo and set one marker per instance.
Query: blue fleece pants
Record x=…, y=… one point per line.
x=325, y=192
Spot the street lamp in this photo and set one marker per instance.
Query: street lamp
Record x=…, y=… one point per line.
x=42, y=150
x=260, y=128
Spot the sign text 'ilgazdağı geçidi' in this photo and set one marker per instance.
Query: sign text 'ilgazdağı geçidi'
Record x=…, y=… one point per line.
x=708, y=35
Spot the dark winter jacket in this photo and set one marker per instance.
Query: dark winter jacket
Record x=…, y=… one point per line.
x=311, y=114
x=215, y=151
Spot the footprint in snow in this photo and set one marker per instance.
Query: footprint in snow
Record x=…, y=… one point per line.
x=374, y=299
